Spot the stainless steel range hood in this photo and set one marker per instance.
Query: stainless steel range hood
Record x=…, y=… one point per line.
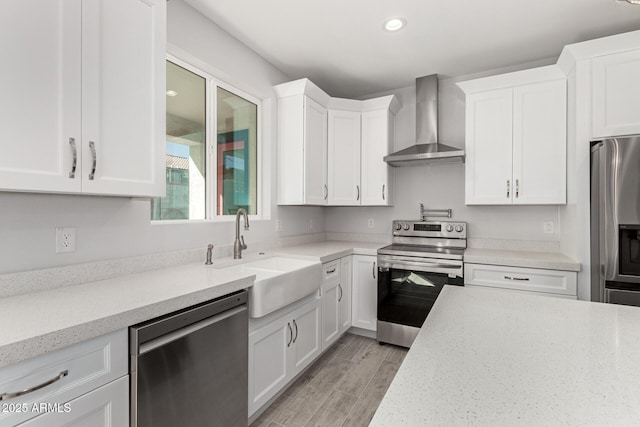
x=427, y=149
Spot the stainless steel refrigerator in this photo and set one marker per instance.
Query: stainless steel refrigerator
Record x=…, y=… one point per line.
x=615, y=221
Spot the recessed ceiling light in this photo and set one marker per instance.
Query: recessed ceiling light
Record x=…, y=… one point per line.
x=171, y=93
x=631, y=1
x=395, y=24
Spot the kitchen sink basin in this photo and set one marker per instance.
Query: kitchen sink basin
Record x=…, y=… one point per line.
x=280, y=281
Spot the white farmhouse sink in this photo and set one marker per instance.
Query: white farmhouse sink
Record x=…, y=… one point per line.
x=279, y=282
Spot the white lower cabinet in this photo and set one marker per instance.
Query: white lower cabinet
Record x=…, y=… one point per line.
x=365, y=292
x=336, y=300
x=63, y=377
x=280, y=348
x=555, y=283
x=344, y=298
x=107, y=406
x=330, y=303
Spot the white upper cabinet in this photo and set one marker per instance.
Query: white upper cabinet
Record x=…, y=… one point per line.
x=40, y=105
x=302, y=143
x=344, y=157
x=488, y=150
x=378, y=128
x=123, y=97
x=539, y=143
x=616, y=94
x=340, y=163
x=516, y=138
x=88, y=76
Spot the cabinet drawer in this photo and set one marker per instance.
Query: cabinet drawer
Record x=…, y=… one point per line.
x=523, y=279
x=70, y=372
x=331, y=270
x=108, y=406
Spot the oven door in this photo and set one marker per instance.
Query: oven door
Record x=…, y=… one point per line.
x=408, y=287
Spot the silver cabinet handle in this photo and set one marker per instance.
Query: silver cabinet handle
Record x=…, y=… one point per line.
x=358, y=196
x=522, y=279
x=373, y=270
x=290, y=334
x=92, y=146
x=296, y=325
x=340, y=289
x=517, y=187
x=7, y=396
x=326, y=192
x=74, y=150
x=508, y=188
x=383, y=185
x=333, y=270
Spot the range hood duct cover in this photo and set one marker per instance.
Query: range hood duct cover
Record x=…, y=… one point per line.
x=427, y=149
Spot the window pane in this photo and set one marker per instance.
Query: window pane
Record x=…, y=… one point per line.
x=186, y=142
x=236, y=167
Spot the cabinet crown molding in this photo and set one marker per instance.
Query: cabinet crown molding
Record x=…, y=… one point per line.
x=509, y=80
x=302, y=87
x=310, y=89
x=617, y=43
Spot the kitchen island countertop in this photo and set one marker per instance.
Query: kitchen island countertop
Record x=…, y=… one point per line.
x=493, y=358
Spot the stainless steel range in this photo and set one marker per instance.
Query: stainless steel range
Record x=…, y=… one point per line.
x=423, y=257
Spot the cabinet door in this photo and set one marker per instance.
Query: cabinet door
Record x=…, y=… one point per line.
x=344, y=158
x=40, y=103
x=488, y=174
x=315, y=153
x=107, y=406
x=540, y=143
x=330, y=297
x=616, y=94
x=306, y=342
x=344, y=294
x=377, y=142
x=268, y=348
x=365, y=292
x=123, y=97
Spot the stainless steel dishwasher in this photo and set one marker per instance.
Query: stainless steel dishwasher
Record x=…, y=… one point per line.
x=189, y=368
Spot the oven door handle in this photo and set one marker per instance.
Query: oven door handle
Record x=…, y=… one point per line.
x=422, y=266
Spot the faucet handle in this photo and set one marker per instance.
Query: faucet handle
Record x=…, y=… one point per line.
x=244, y=245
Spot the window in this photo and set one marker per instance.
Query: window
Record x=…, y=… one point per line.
x=208, y=177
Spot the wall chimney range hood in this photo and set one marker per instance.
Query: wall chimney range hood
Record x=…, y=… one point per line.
x=427, y=149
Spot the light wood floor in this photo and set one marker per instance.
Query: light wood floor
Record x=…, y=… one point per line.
x=342, y=388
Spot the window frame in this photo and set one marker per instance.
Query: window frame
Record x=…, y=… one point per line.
x=212, y=83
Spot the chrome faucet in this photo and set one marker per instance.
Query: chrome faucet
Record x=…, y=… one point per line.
x=238, y=244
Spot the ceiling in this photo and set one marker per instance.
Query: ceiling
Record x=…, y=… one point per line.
x=341, y=46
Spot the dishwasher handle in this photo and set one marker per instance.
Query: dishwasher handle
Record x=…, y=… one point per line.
x=176, y=335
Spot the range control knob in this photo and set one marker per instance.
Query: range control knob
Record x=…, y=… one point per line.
x=459, y=228
x=449, y=228
x=398, y=226
x=406, y=227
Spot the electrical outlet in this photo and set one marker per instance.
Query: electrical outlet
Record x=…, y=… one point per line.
x=65, y=239
x=370, y=223
x=279, y=225
x=547, y=227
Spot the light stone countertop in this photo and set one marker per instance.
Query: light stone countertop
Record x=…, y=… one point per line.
x=331, y=250
x=546, y=260
x=40, y=322
x=492, y=358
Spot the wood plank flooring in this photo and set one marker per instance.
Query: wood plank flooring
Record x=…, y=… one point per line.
x=342, y=388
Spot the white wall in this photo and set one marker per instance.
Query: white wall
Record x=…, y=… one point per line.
x=109, y=227
x=442, y=186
